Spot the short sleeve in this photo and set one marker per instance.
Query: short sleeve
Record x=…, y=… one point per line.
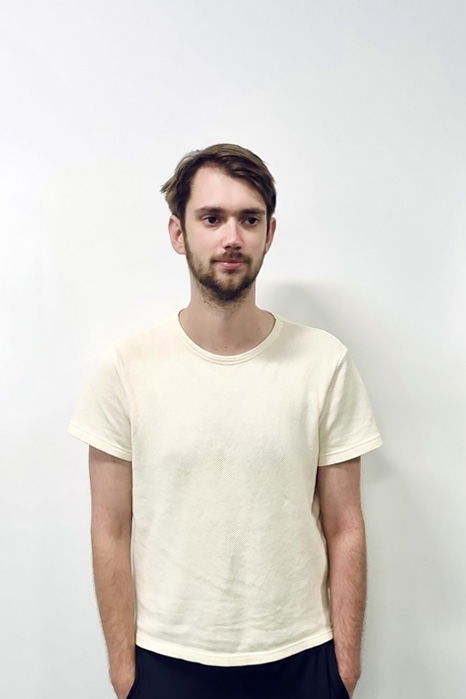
x=347, y=426
x=102, y=416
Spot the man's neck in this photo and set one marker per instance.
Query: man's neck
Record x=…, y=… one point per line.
x=226, y=333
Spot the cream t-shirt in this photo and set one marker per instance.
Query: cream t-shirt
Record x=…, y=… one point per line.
x=229, y=556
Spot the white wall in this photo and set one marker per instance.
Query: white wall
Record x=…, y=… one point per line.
x=359, y=110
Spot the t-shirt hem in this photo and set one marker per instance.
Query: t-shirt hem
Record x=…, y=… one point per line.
x=98, y=442
x=198, y=655
x=351, y=452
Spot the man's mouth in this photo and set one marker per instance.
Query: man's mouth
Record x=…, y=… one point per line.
x=230, y=264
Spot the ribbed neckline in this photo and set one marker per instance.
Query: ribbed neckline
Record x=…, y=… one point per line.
x=228, y=358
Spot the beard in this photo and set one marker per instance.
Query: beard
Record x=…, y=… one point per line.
x=220, y=285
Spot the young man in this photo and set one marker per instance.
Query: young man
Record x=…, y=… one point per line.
x=227, y=441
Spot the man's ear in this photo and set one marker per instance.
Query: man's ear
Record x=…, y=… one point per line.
x=176, y=234
x=270, y=233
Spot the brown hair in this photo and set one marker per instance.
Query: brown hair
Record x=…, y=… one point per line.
x=234, y=160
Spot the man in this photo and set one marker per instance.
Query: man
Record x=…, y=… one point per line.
x=227, y=441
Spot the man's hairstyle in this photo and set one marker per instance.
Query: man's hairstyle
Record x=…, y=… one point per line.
x=234, y=160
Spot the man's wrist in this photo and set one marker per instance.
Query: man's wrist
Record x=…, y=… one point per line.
x=350, y=677
x=123, y=658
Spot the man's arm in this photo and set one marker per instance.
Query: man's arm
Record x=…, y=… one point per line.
x=338, y=488
x=111, y=495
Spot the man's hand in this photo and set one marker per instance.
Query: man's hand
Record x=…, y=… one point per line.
x=350, y=683
x=122, y=680
x=349, y=674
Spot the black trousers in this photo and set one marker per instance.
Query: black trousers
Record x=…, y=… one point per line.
x=309, y=674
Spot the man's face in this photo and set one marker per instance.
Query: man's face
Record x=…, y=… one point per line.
x=225, y=219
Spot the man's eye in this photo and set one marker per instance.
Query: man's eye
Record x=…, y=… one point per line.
x=252, y=220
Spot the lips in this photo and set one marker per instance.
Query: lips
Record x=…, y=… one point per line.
x=230, y=264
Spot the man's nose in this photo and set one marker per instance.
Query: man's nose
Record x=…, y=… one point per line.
x=232, y=232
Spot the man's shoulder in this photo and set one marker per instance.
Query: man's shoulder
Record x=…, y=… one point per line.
x=312, y=337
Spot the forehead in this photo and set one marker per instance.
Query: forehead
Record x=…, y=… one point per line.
x=212, y=186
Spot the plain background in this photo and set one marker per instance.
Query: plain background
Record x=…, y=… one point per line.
x=358, y=109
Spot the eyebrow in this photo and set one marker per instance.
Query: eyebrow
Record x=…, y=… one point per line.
x=220, y=210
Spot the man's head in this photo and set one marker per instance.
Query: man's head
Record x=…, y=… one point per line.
x=222, y=200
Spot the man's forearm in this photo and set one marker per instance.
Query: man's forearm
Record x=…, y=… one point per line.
x=348, y=587
x=115, y=596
